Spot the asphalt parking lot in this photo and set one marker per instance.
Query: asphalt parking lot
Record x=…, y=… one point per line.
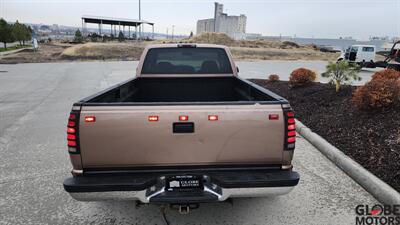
x=35, y=100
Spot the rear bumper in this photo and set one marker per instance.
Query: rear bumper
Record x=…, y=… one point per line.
x=150, y=188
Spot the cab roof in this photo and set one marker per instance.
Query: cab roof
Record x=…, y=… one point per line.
x=188, y=45
x=364, y=46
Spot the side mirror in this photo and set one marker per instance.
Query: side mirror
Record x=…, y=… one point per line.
x=237, y=69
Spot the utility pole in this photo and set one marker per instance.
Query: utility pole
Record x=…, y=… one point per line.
x=173, y=26
x=140, y=18
x=167, y=33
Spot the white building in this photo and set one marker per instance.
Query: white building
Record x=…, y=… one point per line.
x=233, y=26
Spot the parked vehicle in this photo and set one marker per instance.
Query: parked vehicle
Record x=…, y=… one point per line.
x=363, y=55
x=186, y=130
x=392, y=60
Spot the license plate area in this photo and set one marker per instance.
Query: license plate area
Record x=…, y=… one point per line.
x=187, y=127
x=184, y=183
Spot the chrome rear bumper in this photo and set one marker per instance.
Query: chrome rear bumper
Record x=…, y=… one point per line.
x=141, y=195
x=216, y=187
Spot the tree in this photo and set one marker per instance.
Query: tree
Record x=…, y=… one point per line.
x=27, y=34
x=121, y=36
x=191, y=34
x=6, y=35
x=340, y=73
x=19, y=32
x=78, y=36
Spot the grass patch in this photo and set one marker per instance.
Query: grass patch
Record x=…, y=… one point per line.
x=14, y=48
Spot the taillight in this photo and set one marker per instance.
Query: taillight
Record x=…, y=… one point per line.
x=153, y=118
x=273, y=117
x=71, y=136
x=183, y=118
x=90, y=119
x=71, y=143
x=212, y=117
x=72, y=132
x=290, y=129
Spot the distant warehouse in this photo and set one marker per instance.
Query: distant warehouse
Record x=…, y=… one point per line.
x=233, y=26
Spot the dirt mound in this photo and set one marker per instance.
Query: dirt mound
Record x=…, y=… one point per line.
x=213, y=38
x=102, y=51
x=289, y=44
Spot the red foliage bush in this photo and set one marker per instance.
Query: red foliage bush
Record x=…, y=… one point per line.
x=382, y=91
x=387, y=74
x=273, y=78
x=302, y=77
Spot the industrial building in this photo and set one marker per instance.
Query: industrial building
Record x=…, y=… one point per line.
x=233, y=26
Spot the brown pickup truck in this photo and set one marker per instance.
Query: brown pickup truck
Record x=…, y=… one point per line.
x=186, y=130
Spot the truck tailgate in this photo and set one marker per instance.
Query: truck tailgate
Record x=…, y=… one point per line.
x=123, y=136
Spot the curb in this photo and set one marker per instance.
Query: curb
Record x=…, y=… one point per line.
x=375, y=186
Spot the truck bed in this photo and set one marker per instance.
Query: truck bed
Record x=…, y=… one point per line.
x=122, y=136
x=187, y=89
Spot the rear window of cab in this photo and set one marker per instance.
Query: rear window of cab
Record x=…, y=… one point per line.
x=187, y=61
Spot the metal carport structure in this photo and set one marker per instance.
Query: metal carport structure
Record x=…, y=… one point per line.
x=114, y=23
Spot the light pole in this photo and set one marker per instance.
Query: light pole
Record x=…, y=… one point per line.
x=140, y=18
x=173, y=26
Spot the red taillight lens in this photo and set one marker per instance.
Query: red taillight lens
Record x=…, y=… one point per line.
x=153, y=118
x=71, y=136
x=290, y=114
x=71, y=143
x=291, y=130
x=212, y=117
x=183, y=118
x=90, y=119
x=273, y=117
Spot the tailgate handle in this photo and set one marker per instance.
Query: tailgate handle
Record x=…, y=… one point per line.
x=187, y=127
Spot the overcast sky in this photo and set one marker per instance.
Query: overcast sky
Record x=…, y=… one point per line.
x=303, y=18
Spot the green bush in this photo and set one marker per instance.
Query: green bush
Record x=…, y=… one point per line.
x=121, y=37
x=340, y=73
x=78, y=36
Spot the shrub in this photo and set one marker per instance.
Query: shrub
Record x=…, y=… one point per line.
x=387, y=74
x=121, y=37
x=340, y=73
x=273, y=78
x=379, y=93
x=78, y=36
x=301, y=77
